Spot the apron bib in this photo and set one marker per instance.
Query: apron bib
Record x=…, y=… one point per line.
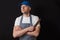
x=25, y=25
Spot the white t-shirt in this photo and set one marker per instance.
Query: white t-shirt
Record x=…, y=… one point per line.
x=26, y=20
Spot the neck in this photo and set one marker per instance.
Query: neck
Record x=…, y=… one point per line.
x=26, y=14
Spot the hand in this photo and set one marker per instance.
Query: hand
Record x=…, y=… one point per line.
x=31, y=28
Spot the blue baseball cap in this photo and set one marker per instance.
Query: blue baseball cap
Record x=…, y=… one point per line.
x=23, y=3
x=26, y=3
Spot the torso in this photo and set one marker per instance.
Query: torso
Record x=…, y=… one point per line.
x=27, y=19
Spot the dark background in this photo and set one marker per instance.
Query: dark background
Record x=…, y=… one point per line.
x=47, y=10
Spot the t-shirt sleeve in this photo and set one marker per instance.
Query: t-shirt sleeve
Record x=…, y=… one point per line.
x=39, y=22
x=17, y=22
x=36, y=18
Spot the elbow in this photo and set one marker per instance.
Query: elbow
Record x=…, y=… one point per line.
x=36, y=35
x=14, y=35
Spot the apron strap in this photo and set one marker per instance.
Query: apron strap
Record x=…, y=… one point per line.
x=31, y=20
x=21, y=20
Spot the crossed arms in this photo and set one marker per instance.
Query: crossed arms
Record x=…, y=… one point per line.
x=17, y=31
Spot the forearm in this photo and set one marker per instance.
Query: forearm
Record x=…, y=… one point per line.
x=35, y=34
x=19, y=33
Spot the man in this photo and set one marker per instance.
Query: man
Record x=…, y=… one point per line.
x=24, y=24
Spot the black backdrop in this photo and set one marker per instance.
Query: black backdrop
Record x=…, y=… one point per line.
x=47, y=10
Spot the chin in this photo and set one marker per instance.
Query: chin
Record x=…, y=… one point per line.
x=24, y=12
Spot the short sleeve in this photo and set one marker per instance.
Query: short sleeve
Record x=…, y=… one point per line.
x=39, y=22
x=35, y=19
x=17, y=22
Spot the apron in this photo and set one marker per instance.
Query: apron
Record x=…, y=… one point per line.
x=25, y=25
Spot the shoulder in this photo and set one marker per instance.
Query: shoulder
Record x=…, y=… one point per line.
x=19, y=17
x=35, y=17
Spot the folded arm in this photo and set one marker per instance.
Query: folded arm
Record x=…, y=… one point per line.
x=17, y=31
x=35, y=32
